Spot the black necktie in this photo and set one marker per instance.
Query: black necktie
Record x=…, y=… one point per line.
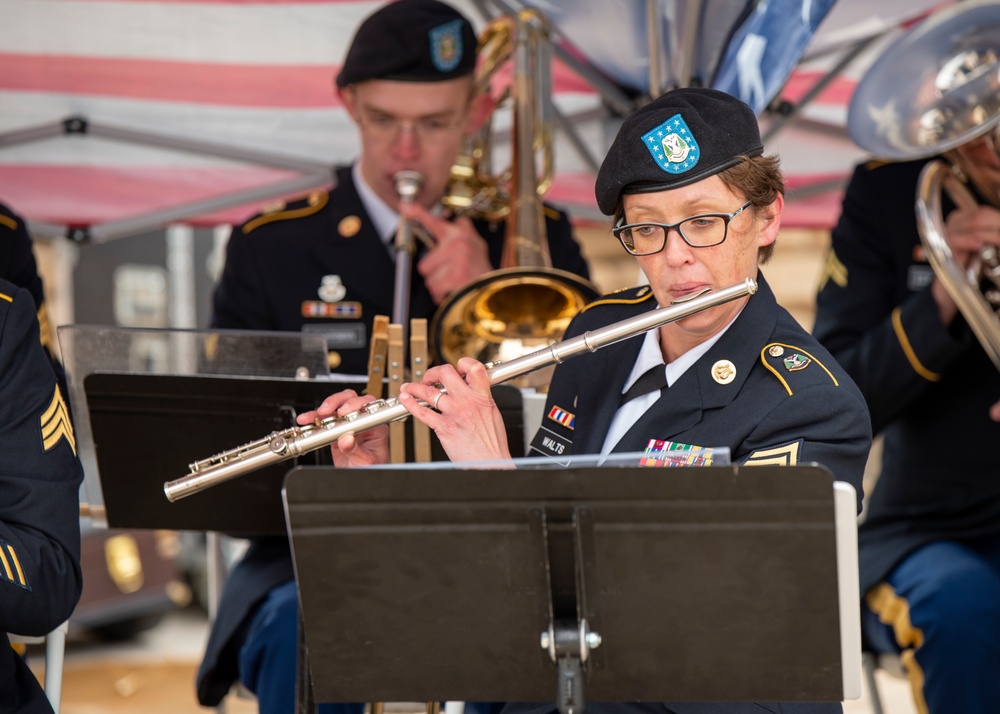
x=652, y=380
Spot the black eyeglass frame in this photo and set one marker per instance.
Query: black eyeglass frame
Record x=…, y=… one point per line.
x=667, y=227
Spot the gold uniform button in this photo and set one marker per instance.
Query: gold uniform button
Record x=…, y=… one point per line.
x=349, y=226
x=333, y=359
x=723, y=371
x=776, y=351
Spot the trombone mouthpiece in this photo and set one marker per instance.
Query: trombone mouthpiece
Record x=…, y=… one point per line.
x=408, y=184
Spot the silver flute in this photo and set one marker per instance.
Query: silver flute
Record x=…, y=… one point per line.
x=298, y=440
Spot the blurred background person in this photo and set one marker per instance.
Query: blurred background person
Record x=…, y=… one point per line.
x=930, y=538
x=325, y=262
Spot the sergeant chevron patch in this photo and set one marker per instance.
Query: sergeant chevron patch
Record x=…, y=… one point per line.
x=56, y=425
x=785, y=455
x=10, y=566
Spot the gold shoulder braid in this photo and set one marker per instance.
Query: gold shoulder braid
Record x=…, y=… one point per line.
x=625, y=296
x=278, y=212
x=783, y=360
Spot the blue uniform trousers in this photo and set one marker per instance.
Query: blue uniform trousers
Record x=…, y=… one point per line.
x=269, y=654
x=940, y=610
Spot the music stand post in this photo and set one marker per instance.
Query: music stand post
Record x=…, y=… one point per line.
x=634, y=584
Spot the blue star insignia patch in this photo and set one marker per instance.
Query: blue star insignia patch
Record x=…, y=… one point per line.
x=673, y=146
x=446, y=45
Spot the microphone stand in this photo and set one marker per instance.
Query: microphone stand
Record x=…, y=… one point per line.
x=408, y=184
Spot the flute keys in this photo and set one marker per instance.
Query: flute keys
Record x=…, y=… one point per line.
x=278, y=444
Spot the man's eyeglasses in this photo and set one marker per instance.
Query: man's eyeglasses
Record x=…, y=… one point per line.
x=428, y=130
x=702, y=231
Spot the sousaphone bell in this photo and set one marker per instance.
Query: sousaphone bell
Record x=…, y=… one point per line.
x=936, y=92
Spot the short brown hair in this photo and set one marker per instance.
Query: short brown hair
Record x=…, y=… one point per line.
x=759, y=178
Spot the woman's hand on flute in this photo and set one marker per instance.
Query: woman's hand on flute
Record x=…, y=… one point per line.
x=460, y=410
x=365, y=448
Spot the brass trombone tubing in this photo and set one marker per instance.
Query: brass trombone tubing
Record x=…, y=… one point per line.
x=295, y=441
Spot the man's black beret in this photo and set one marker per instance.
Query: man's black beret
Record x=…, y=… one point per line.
x=677, y=139
x=411, y=41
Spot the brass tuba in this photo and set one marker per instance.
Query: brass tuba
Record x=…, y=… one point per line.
x=525, y=304
x=936, y=92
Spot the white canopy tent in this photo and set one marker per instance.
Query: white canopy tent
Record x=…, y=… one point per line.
x=118, y=116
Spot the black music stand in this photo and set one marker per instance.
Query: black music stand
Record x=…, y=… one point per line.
x=148, y=402
x=681, y=584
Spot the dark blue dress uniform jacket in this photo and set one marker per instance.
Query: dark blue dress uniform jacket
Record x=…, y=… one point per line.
x=929, y=388
x=17, y=264
x=767, y=414
x=40, y=477
x=275, y=263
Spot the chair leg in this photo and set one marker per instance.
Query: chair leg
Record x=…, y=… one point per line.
x=55, y=650
x=869, y=663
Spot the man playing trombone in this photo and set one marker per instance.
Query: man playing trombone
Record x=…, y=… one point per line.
x=325, y=264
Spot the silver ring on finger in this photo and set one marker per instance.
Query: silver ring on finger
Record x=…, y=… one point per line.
x=437, y=397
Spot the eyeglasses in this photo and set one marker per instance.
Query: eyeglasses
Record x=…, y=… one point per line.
x=702, y=231
x=386, y=128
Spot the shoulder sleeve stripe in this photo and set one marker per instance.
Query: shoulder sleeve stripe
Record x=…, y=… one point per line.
x=911, y=356
x=772, y=370
x=787, y=455
x=8, y=298
x=55, y=423
x=9, y=222
x=314, y=205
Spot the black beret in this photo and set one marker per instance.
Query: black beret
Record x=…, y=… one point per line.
x=679, y=138
x=412, y=41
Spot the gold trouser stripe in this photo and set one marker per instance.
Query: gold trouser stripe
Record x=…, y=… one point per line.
x=17, y=565
x=6, y=565
x=894, y=611
x=911, y=356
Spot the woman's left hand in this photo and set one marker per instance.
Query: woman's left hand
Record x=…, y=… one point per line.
x=462, y=414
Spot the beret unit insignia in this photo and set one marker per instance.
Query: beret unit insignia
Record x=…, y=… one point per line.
x=672, y=146
x=446, y=45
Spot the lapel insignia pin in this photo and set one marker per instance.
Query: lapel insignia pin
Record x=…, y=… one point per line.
x=776, y=351
x=349, y=226
x=723, y=371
